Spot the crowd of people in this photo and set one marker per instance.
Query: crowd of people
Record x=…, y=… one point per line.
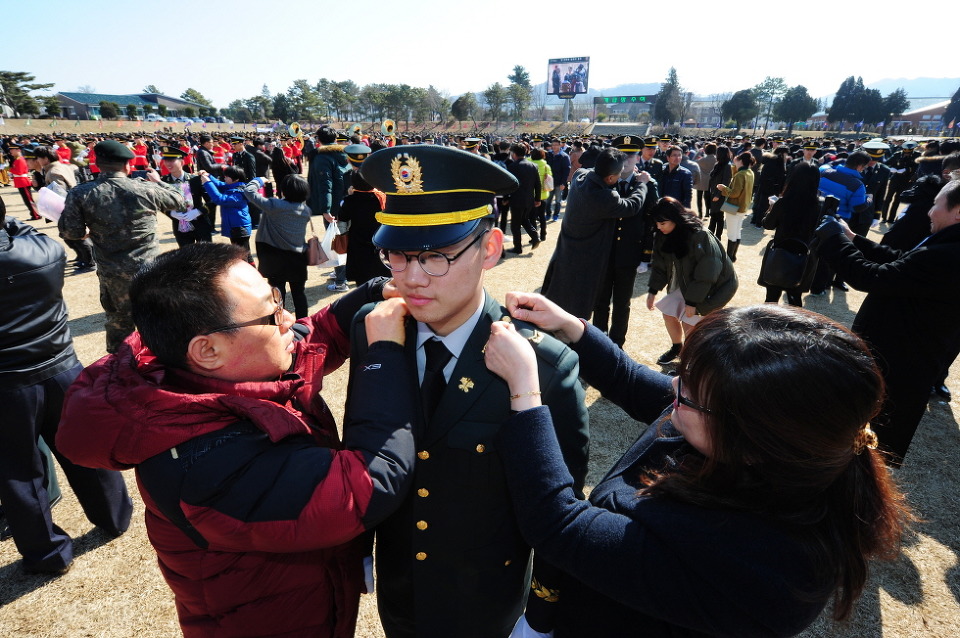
x=465, y=439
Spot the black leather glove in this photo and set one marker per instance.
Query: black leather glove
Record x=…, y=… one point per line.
x=828, y=228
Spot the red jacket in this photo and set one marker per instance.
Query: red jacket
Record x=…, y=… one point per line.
x=64, y=153
x=21, y=173
x=140, y=155
x=252, y=503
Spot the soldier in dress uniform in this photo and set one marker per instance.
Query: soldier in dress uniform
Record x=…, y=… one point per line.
x=903, y=165
x=193, y=225
x=875, y=178
x=616, y=287
x=451, y=561
x=120, y=216
x=472, y=145
x=663, y=147
x=244, y=159
x=648, y=162
x=809, y=149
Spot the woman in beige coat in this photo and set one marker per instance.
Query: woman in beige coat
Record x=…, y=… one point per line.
x=739, y=193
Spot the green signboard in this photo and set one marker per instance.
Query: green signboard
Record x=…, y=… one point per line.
x=625, y=99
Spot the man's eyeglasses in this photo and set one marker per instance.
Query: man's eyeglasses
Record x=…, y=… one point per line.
x=275, y=318
x=434, y=263
x=682, y=400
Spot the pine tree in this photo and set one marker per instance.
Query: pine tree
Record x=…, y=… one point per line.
x=796, y=106
x=669, y=103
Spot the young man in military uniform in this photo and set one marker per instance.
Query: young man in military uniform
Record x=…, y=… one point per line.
x=809, y=150
x=120, y=216
x=663, y=147
x=451, y=561
x=651, y=164
x=616, y=286
x=875, y=180
x=193, y=225
x=903, y=165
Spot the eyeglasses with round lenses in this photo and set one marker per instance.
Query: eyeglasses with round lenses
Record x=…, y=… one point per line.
x=434, y=263
x=679, y=399
x=275, y=318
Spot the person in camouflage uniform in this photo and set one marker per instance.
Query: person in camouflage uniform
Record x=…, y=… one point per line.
x=121, y=215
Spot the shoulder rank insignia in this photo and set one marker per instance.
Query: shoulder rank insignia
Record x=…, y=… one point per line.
x=536, y=337
x=466, y=384
x=549, y=595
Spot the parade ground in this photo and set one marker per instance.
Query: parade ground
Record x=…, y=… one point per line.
x=115, y=590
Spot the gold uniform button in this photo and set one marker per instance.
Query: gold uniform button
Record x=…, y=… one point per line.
x=423, y=455
x=421, y=525
x=423, y=492
x=421, y=556
x=507, y=563
x=480, y=448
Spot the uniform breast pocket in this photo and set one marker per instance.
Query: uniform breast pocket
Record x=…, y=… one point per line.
x=472, y=449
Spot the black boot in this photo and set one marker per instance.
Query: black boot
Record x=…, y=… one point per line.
x=732, y=249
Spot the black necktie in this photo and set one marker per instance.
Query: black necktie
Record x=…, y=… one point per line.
x=433, y=380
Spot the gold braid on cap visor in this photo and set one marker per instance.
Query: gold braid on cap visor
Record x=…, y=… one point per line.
x=434, y=219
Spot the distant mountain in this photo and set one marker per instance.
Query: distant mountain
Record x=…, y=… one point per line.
x=918, y=87
x=650, y=88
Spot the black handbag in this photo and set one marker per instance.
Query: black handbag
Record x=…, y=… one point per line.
x=784, y=264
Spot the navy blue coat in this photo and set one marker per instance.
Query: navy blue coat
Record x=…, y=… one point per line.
x=650, y=566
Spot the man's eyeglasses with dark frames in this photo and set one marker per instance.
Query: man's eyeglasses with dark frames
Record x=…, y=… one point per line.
x=275, y=318
x=434, y=263
x=680, y=399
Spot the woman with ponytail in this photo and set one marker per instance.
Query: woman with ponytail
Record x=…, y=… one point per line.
x=737, y=512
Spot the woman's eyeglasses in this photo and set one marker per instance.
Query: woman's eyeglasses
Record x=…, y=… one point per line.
x=682, y=400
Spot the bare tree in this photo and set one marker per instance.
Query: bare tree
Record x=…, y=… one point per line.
x=717, y=101
x=539, y=101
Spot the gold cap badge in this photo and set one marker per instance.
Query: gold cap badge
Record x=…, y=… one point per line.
x=407, y=174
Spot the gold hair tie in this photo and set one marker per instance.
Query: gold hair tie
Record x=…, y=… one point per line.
x=865, y=438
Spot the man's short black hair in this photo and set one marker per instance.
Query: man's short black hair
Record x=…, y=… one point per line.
x=326, y=135
x=857, y=160
x=47, y=153
x=178, y=296
x=519, y=150
x=609, y=162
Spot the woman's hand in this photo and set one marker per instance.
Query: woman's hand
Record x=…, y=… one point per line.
x=690, y=311
x=511, y=357
x=386, y=322
x=390, y=290
x=651, y=300
x=846, y=229
x=537, y=309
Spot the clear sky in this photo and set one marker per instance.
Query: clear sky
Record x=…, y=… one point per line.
x=458, y=46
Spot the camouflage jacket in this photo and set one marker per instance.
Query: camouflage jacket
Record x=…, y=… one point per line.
x=121, y=215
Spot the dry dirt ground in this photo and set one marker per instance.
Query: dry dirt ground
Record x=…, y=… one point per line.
x=115, y=588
